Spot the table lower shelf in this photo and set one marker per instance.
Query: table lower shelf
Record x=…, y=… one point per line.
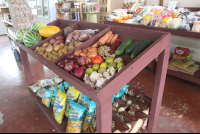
x=192, y=78
x=61, y=128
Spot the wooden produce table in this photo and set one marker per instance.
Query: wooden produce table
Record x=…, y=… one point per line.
x=196, y=77
x=103, y=97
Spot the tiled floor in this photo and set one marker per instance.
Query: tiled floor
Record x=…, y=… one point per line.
x=179, y=112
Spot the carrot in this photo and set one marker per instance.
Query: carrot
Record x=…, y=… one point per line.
x=102, y=41
x=95, y=45
x=114, y=39
x=110, y=38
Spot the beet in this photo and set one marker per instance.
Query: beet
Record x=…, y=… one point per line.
x=68, y=30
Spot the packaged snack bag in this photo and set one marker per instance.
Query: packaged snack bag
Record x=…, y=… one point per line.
x=75, y=120
x=81, y=98
x=40, y=92
x=156, y=21
x=119, y=106
x=174, y=24
x=35, y=87
x=88, y=115
x=46, y=99
x=55, y=91
x=182, y=64
x=135, y=92
x=147, y=19
x=121, y=92
x=47, y=83
x=196, y=26
x=72, y=94
x=92, y=128
x=165, y=21
x=57, y=80
x=59, y=106
x=64, y=86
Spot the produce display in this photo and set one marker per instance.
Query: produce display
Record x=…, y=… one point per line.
x=31, y=39
x=37, y=26
x=158, y=16
x=97, y=64
x=20, y=34
x=131, y=107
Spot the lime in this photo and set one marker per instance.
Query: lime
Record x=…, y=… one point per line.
x=109, y=60
x=89, y=71
x=105, y=65
x=112, y=65
x=102, y=70
x=96, y=67
x=119, y=65
x=118, y=60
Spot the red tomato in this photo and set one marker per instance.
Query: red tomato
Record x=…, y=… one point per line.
x=97, y=60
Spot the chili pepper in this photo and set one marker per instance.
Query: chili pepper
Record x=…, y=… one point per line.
x=115, y=46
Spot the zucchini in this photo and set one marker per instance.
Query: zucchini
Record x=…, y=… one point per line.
x=130, y=48
x=139, y=49
x=121, y=49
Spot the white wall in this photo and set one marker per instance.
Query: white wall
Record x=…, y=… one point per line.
x=152, y=2
x=184, y=3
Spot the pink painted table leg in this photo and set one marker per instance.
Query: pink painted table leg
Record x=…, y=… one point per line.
x=26, y=66
x=161, y=72
x=104, y=117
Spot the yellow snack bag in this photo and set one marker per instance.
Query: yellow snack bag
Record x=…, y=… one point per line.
x=59, y=106
x=72, y=94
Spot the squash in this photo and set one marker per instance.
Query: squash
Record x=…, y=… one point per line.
x=48, y=31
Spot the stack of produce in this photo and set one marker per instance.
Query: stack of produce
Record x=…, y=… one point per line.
x=158, y=16
x=33, y=36
x=131, y=110
x=130, y=103
x=183, y=65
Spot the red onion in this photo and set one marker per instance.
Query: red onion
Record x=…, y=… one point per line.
x=81, y=61
x=69, y=67
x=79, y=73
x=84, y=67
x=89, y=65
x=76, y=65
x=70, y=56
x=71, y=61
x=65, y=60
x=61, y=64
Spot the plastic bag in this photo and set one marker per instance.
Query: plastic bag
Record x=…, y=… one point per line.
x=88, y=114
x=191, y=19
x=47, y=83
x=57, y=80
x=40, y=92
x=81, y=98
x=64, y=86
x=147, y=19
x=46, y=99
x=165, y=21
x=184, y=26
x=59, y=106
x=138, y=19
x=55, y=91
x=118, y=19
x=156, y=21
x=174, y=24
x=72, y=94
x=121, y=92
x=172, y=4
x=35, y=87
x=196, y=26
x=75, y=120
x=175, y=13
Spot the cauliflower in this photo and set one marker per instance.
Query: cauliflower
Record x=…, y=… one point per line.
x=100, y=82
x=106, y=74
x=95, y=76
x=87, y=79
x=111, y=71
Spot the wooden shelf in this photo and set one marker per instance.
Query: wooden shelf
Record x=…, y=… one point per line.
x=66, y=12
x=73, y=2
x=10, y=23
x=61, y=128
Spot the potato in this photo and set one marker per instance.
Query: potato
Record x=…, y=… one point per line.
x=60, y=51
x=70, y=48
x=54, y=52
x=54, y=57
x=45, y=44
x=71, y=44
x=41, y=52
x=50, y=45
x=62, y=44
x=37, y=48
x=45, y=56
x=49, y=59
x=60, y=54
x=55, y=44
x=52, y=41
x=59, y=41
x=49, y=49
x=66, y=47
x=49, y=55
x=43, y=49
x=76, y=44
x=59, y=38
x=61, y=47
x=36, y=51
x=65, y=51
x=57, y=48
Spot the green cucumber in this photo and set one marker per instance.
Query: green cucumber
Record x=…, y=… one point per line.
x=121, y=49
x=130, y=48
x=139, y=49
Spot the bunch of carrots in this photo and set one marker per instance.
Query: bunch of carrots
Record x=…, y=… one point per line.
x=108, y=38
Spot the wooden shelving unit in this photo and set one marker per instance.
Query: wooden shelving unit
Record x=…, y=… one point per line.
x=104, y=9
x=62, y=15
